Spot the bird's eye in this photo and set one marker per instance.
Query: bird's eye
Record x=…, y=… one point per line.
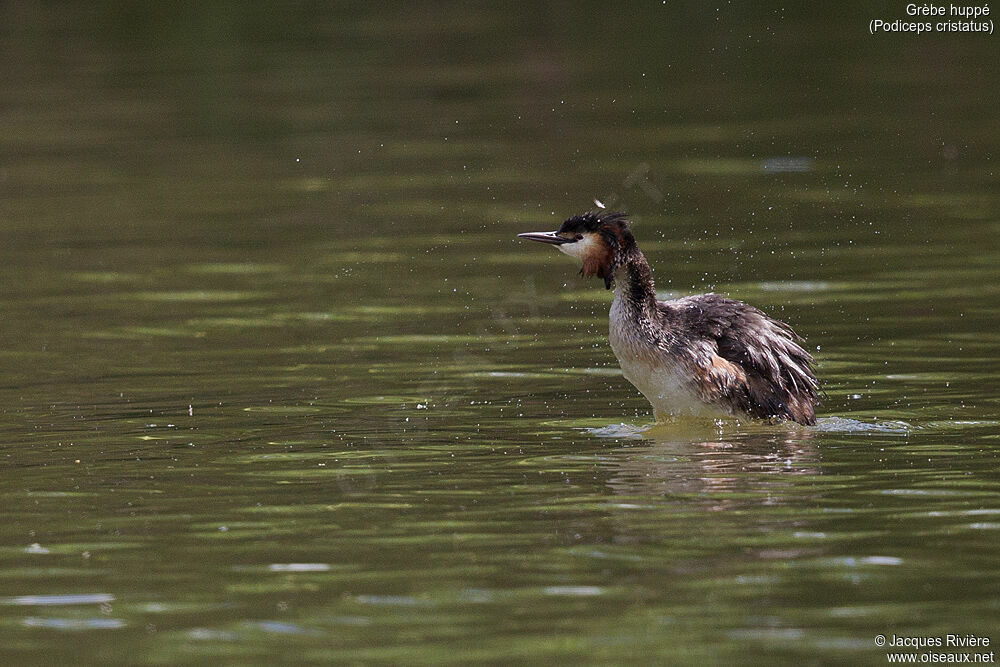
x=578, y=236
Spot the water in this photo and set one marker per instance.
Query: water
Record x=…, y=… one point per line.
x=280, y=386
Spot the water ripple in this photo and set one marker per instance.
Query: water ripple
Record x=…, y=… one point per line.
x=54, y=600
x=73, y=623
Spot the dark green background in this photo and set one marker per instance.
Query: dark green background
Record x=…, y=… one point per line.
x=280, y=386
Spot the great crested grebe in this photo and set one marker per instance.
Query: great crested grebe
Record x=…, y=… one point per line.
x=698, y=355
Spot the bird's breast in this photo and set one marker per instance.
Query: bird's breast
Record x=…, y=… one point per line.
x=664, y=379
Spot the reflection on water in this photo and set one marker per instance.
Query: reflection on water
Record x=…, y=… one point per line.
x=280, y=385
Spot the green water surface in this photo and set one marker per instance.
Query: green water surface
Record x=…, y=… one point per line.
x=279, y=385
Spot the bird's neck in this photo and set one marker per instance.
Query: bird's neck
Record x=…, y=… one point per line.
x=634, y=283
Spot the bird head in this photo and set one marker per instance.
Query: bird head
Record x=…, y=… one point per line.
x=598, y=240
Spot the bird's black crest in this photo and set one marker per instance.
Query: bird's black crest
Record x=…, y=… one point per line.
x=593, y=221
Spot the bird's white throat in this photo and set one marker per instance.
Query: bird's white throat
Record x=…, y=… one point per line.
x=581, y=249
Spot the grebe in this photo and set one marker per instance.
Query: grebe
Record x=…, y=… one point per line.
x=698, y=355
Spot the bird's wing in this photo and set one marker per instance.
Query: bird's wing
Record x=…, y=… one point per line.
x=753, y=360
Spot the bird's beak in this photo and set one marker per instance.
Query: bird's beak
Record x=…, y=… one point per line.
x=552, y=238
